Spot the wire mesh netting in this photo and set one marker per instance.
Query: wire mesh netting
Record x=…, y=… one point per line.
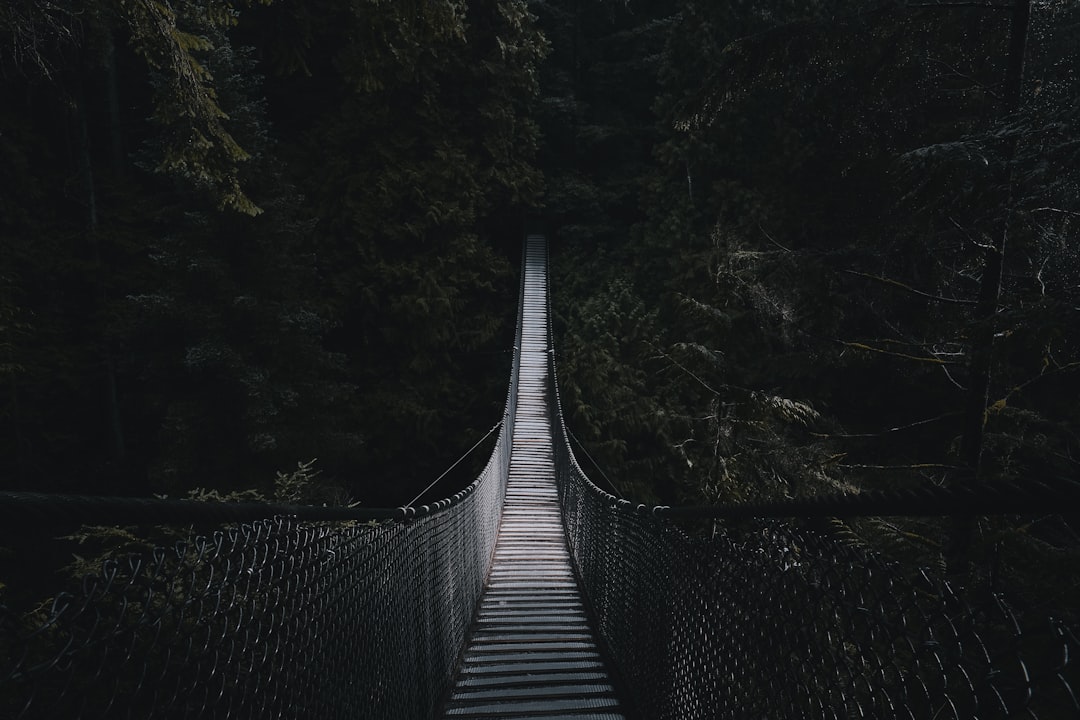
x=312, y=618
x=773, y=620
x=307, y=618
x=269, y=619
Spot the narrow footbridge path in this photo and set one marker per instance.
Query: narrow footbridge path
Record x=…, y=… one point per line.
x=531, y=651
x=533, y=593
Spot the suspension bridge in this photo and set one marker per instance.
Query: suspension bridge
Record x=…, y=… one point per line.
x=530, y=594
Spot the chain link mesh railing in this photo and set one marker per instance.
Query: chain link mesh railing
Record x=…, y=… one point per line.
x=770, y=619
x=278, y=618
x=355, y=613
x=271, y=619
x=783, y=622
x=308, y=613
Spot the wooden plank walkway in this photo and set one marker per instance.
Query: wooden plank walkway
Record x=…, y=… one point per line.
x=531, y=652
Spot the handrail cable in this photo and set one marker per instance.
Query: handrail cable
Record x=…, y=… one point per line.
x=780, y=619
x=596, y=465
x=994, y=497
x=280, y=615
x=457, y=462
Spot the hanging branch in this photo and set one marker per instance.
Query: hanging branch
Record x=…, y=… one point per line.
x=946, y=5
x=908, y=288
x=870, y=348
x=982, y=344
x=899, y=428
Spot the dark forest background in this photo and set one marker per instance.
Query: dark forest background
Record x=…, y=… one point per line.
x=239, y=236
x=799, y=247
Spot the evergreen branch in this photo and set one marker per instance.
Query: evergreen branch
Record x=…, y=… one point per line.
x=770, y=239
x=33, y=32
x=913, y=466
x=686, y=370
x=973, y=241
x=953, y=380
x=903, y=286
x=869, y=348
x=740, y=49
x=974, y=82
x=910, y=535
x=911, y=343
x=949, y=4
x=927, y=421
x=1042, y=375
x=1071, y=213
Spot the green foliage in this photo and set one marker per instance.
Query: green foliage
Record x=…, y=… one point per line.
x=604, y=387
x=98, y=544
x=597, y=88
x=33, y=32
x=210, y=272
x=427, y=142
x=174, y=39
x=303, y=486
x=809, y=246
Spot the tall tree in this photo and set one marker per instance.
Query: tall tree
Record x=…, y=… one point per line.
x=104, y=268
x=825, y=184
x=421, y=152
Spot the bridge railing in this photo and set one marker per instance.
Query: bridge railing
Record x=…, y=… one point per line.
x=280, y=612
x=772, y=619
x=275, y=618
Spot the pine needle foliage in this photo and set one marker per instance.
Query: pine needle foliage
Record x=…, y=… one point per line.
x=811, y=242
x=173, y=39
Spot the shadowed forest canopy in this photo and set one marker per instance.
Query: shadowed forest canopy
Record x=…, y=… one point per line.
x=783, y=282
x=817, y=247
x=237, y=236
x=800, y=247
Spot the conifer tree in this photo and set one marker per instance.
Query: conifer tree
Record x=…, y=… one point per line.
x=426, y=142
x=811, y=248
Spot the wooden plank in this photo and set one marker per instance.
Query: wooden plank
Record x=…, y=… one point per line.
x=531, y=652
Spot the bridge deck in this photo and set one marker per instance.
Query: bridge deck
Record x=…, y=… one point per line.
x=531, y=651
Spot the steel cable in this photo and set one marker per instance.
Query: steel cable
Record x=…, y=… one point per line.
x=769, y=618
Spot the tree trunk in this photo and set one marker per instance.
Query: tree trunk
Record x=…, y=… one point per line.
x=112, y=97
x=15, y=412
x=117, y=445
x=575, y=82
x=981, y=351
x=982, y=342
x=86, y=174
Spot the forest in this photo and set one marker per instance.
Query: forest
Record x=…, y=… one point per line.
x=800, y=247
x=242, y=236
